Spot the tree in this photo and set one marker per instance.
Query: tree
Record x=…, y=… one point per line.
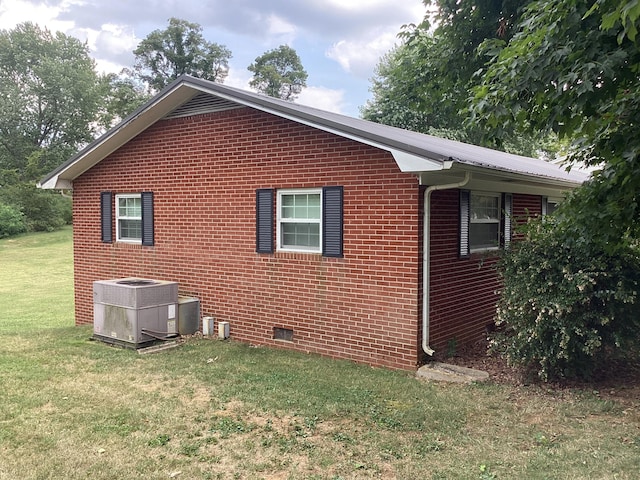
x=572, y=68
x=571, y=286
x=396, y=99
x=121, y=95
x=49, y=98
x=425, y=83
x=279, y=73
x=180, y=49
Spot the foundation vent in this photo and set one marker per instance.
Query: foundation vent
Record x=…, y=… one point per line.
x=283, y=334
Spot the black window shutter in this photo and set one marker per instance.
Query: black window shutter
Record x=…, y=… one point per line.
x=264, y=220
x=106, y=216
x=332, y=221
x=508, y=211
x=465, y=214
x=147, y=218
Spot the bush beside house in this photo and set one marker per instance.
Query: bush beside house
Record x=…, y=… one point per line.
x=566, y=305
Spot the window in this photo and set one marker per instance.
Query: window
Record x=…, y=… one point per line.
x=129, y=218
x=299, y=220
x=484, y=222
x=134, y=218
x=548, y=206
x=309, y=220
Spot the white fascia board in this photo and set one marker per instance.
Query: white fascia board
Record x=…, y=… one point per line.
x=499, y=181
x=55, y=183
x=410, y=163
x=49, y=184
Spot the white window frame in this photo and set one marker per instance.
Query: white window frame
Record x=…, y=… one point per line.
x=547, y=209
x=118, y=218
x=484, y=220
x=280, y=220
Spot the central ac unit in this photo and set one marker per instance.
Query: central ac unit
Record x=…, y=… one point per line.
x=134, y=311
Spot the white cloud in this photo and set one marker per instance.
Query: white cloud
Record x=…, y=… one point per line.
x=361, y=56
x=116, y=39
x=278, y=26
x=323, y=98
x=238, y=78
x=317, y=97
x=13, y=12
x=116, y=43
x=356, y=5
x=107, y=66
x=111, y=46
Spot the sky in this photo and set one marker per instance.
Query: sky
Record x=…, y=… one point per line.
x=339, y=41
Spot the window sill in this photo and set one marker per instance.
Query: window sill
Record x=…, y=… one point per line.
x=127, y=245
x=483, y=250
x=298, y=255
x=299, y=250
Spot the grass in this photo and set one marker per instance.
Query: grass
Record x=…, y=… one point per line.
x=73, y=408
x=33, y=267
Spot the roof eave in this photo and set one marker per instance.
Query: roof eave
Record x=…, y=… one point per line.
x=410, y=158
x=523, y=177
x=515, y=178
x=55, y=183
x=130, y=127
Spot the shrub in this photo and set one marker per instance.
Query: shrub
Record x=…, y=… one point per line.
x=43, y=211
x=11, y=221
x=63, y=208
x=565, y=303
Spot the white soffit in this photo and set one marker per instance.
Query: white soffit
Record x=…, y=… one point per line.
x=410, y=163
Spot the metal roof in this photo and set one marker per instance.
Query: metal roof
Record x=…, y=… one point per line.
x=414, y=152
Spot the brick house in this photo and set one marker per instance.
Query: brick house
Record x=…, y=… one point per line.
x=303, y=229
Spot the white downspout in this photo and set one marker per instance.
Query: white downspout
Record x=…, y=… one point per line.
x=426, y=247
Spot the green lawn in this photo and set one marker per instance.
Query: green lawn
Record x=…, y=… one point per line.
x=36, y=275
x=73, y=408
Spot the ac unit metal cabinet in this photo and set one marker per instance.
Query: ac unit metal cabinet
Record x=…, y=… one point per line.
x=188, y=315
x=124, y=309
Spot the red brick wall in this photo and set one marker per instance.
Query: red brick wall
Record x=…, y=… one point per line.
x=204, y=171
x=462, y=290
x=526, y=206
x=463, y=299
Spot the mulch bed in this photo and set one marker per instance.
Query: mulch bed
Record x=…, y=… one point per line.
x=617, y=380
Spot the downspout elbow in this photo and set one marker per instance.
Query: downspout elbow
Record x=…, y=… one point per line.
x=426, y=266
